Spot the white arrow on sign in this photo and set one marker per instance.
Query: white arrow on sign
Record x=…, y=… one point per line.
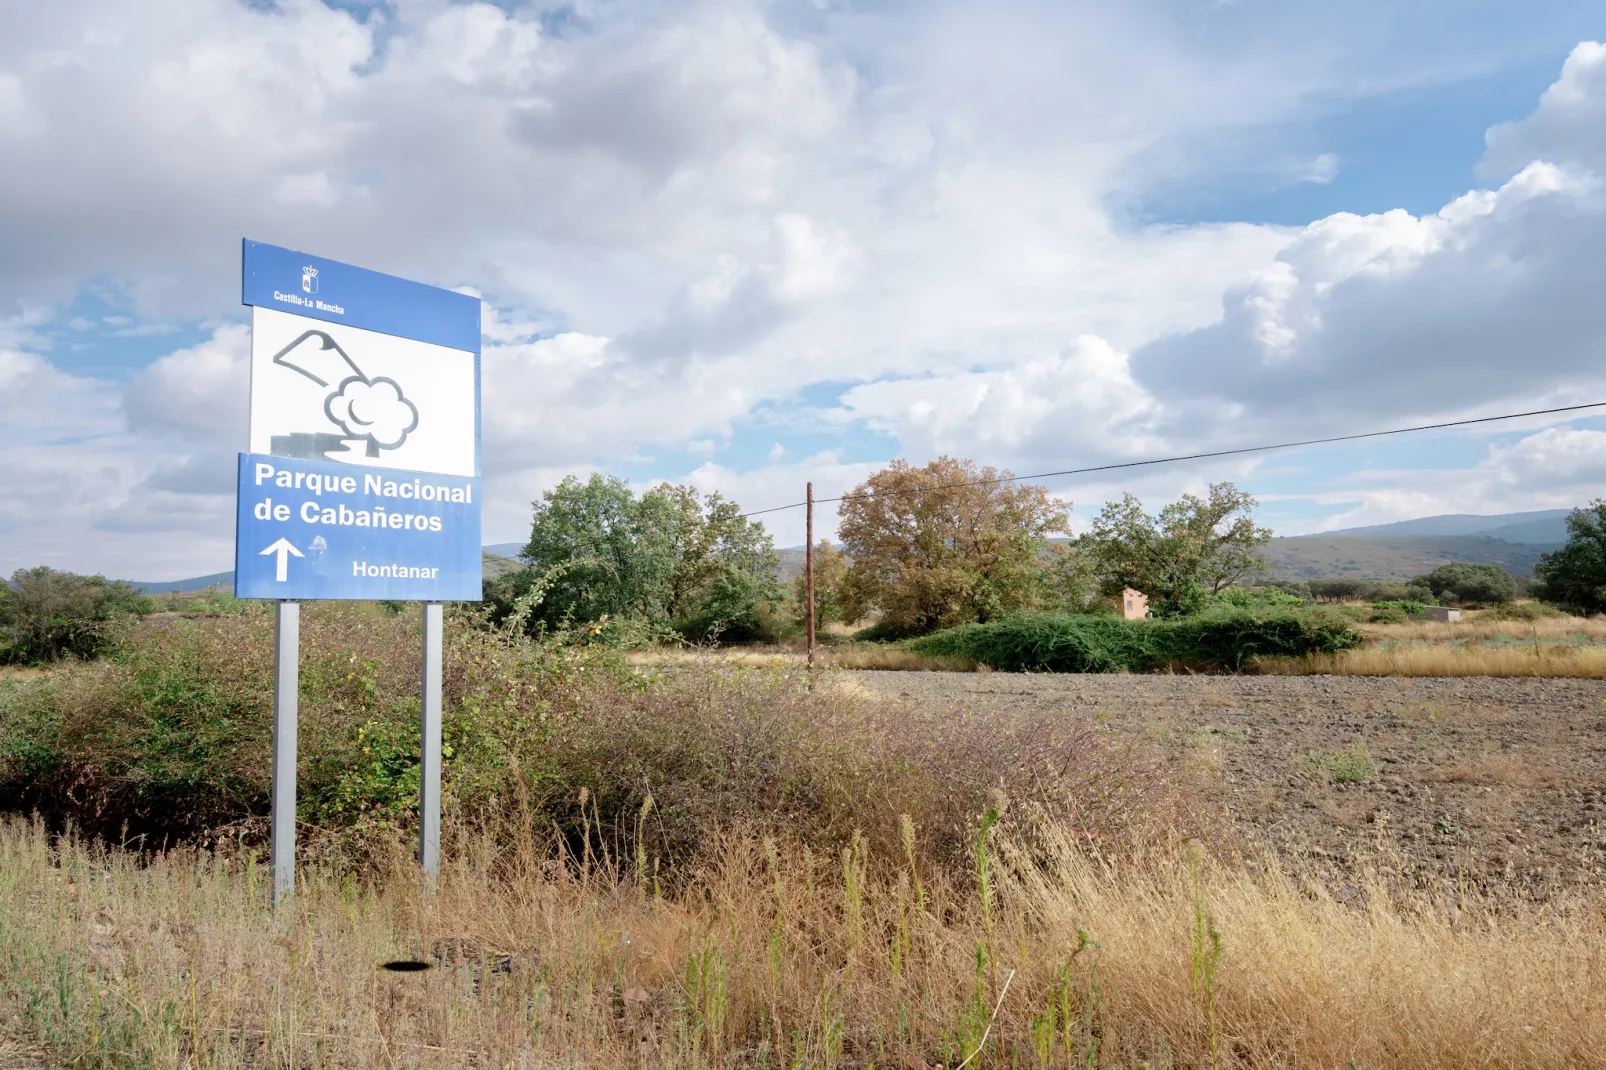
x=283, y=549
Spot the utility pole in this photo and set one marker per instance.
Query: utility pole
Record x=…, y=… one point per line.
x=808, y=571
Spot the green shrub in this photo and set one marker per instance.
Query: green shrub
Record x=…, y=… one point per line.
x=736, y=608
x=46, y=615
x=1267, y=597
x=1394, y=611
x=1352, y=766
x=1218, y=640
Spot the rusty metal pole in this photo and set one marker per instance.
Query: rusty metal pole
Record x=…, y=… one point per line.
x=808, y=571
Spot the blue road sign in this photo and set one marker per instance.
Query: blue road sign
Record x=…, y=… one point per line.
x=322, y=529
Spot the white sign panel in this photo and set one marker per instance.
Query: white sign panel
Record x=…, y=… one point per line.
x=324, y=391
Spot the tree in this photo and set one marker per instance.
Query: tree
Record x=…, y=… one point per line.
x=830, y=574
x=1339, y=590
x=46, y=615
x=670, y=555
x=1575, y=575
x=613, y=548
x=944, y=544
x=1190, y=550
x=711, y=539
x=1462, y=582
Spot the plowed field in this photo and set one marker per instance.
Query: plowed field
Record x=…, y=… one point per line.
x=1497, y=782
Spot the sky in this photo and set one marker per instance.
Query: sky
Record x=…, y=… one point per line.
x=747, y=245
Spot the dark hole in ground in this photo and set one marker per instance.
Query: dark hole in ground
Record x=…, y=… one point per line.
x=405, y=966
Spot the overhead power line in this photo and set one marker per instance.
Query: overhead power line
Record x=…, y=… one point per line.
x=1213, y=453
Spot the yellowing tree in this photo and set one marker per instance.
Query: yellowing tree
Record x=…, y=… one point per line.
x=947, y=543
x=830, y=573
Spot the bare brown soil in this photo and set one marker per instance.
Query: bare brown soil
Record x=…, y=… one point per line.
x=1498, y=781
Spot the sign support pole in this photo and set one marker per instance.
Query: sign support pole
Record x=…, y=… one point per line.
x=429, y=780
x=808, y=569
x=286, y=688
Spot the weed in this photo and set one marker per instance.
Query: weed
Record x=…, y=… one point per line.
x=1204, y=958
x=1354, y=765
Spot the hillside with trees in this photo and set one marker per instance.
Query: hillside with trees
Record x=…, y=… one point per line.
x=1391, y=557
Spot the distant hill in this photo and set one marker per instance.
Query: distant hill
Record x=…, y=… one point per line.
x=505, y=549
x=194, y=583
x=495, y=564
x=792, y=563
x=1378, y=557
x=1544, y=527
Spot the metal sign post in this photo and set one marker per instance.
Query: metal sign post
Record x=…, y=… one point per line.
x=286, y=691
x=429, y=780
x=362, y=480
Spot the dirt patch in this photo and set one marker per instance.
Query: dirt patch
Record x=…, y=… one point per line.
x=14, y=1055
x=1499, y=781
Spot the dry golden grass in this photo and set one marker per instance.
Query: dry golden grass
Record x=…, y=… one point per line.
x=768, y=956
x=843, y=656
x=1446, y=660
x=1506, y=769
x=1557, y=627
x=871, y=656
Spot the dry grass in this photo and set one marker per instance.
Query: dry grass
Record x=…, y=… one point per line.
x=836, y=656
x=1504, y=769
x=872, y=656
x=1446, y=660
x=774, y=957
x=1557, y=627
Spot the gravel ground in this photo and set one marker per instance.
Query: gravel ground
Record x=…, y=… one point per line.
x=1500, y=781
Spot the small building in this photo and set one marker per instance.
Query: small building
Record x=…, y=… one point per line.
x=1134, y=604
x=1439, y=613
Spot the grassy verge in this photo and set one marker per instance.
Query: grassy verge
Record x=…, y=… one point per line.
x=1443, y=659
x=168, y=742
x=773, y=955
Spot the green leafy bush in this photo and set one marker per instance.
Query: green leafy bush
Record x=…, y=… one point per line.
x=1219, y=640
x=1394, y=611
x=46, y=615
x=1258, y=597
